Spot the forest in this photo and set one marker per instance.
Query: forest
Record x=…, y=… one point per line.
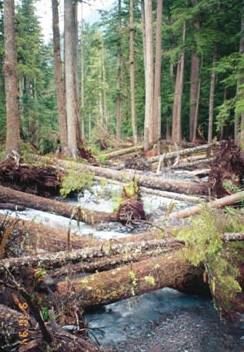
x=121, y=176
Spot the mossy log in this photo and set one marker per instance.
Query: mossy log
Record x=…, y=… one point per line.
x=20, y=332
x=54, y=260
x=168, y=270
x=149, y=181
x=54, y=206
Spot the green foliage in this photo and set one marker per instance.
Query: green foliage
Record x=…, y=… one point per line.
x=76, y=181
x=204, y=246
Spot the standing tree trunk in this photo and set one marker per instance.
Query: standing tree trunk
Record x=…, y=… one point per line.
x=10, y=76
x=156, y=130
x=179, y=83
x=118, y=95
x=132, y=72
x=82, y=71
x=148, y=74
x=70, y=77
x=211, y=99
x=239, y=118
x=195, y=87
x=60, y=91
x=194, y=95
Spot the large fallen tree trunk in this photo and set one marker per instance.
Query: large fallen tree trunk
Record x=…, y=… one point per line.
x=154, y=182
x=123, y=151
x=54, y=206
x=182, y=153
x=169, y=270
x=218, y=203
x=28, y=237
x=53, y=260
x=20, y=332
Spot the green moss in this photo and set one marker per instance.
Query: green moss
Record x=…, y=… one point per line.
x=76, y=181
x=204, y=246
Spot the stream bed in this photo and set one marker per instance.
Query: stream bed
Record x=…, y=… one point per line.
x=162, y=321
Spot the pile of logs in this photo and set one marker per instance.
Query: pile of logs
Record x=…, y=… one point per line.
x=59, y=272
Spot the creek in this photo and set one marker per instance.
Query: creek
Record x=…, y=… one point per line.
x=164, y=320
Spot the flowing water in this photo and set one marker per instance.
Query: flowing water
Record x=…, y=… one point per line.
x=164, y=320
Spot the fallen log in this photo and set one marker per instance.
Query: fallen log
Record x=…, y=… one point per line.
x=153, y=182
x=169, y=270
x=54, y=206
x=54, y=260
x=159, y=193
x=182, y=153
x=190, y=164
x=20, y=332
x=218, y=203
x=123, y=151
x=35, y=238
x=11, y=206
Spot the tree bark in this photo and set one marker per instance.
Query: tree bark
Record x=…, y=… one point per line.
x=38, y=237
x=153, y=182
x=123, y=151
x=10, y=77
x=132, y=250
x=148, y=123
x=157, y=75
x=70, y=78
x=182, y=153
x=60, y=91
x=169, y=270
x=216, y=204
x=132, y=72
x=54, y=206
x=195, y=86
x=194, y=95
x=211, y=99
x=239, y=117
x=82, y=76
x=119, y=73
x=179, y=83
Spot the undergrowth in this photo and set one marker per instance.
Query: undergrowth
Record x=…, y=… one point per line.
x=76, y=181
x=205, y=246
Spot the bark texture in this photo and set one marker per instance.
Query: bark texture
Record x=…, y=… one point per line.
x=10, y=77
x=72, y=109
x=179, y=83
x=132, y=72
x=59, y=81
x=54, y=206
x=219, y=203
x=211, y=99
x=153, y=182
x=169, y=270
x=148, y=123
x=156, y=128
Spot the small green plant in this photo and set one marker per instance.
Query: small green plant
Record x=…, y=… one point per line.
x=204, y=246
x=75, y=181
